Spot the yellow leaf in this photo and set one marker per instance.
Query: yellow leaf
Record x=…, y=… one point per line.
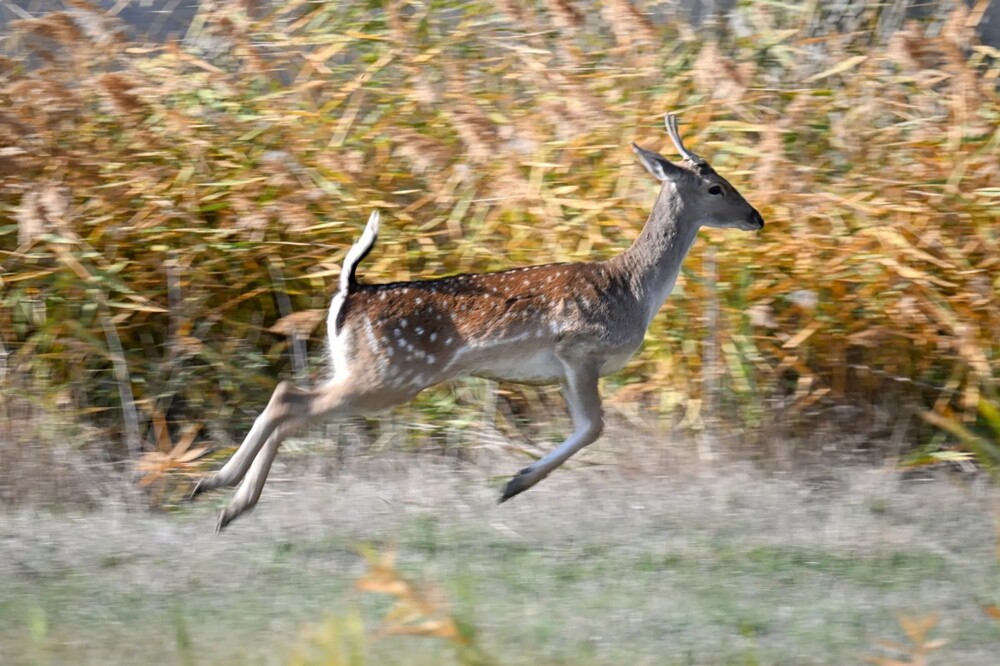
x=137, y=307
x=148, y=479
x=325, y=54
x=151, y=462
x=427, y=56
x=916, y=628
x=30, y=275
x=364, y=35
x=192, y=455
x=161, y=433
x=394, y=587
x=303, y=322
x=802, y=336
x=839, y=68
x=911, y=273
x=585, y=204
x=438, y=628
x=187, y=437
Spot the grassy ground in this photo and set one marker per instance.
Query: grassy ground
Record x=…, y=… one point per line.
x=682, y=564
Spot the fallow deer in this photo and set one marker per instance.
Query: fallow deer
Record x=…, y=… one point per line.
x=569, y=323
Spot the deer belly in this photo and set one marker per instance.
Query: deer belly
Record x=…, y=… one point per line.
x=616, y=361
x=538, y=366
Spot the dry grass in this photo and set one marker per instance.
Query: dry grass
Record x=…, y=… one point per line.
x=681, y=563
x=171, y=217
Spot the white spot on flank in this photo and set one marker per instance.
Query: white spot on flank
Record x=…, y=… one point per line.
x=430, y=359
x=419, y=301
x=448, y=341
x=381, y=296
x=434, y=336
x=419, y=330
x=402, y=323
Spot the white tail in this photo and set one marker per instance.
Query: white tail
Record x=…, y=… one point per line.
x=557, y=323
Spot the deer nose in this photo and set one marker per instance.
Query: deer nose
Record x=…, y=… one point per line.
x=756, y=219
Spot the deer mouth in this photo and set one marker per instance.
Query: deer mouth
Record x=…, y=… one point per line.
x=755, y=223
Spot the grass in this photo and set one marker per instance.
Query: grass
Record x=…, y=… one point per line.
x=684, y=565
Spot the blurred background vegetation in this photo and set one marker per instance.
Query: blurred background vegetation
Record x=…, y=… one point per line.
x=173, y=213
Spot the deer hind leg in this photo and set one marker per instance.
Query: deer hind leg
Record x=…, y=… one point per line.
x=289, y=408
x=236, y=468
x=584, y=400
x=250, y=488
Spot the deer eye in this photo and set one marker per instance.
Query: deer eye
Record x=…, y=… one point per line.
x=715, y=190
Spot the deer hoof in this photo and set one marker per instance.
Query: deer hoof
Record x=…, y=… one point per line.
x=227, y=516
x=204, y=484
x=517, y=485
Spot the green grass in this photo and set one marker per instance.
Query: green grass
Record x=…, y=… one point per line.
x=588, y=568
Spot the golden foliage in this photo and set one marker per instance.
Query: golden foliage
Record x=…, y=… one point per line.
x=190, y=171
x=919, y=646
x=417, y=610
x=157, y=466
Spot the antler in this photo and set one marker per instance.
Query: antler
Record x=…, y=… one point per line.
x=671, y=122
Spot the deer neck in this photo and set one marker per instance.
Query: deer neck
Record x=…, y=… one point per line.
x=653, y=262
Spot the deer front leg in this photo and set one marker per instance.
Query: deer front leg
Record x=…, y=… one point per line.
x=584, y=400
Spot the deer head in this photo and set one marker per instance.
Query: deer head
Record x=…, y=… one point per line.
x=695, y=186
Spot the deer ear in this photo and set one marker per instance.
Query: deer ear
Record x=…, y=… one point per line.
x=656, y=164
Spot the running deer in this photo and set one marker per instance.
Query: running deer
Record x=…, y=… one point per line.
x=565, y=323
